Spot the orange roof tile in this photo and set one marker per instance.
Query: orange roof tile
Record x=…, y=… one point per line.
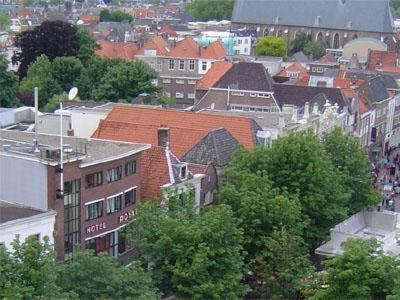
x=138, y=124
x=189, y=48
x=116, y=50
x=362, y=104
x=214, y=51
x=294, y=67
x=217, y=70
x=167, y=30
x=90, y=18
x=392, y=69
x=153, y=173
x=155, y=43
x=380, y=59
x=327, y=58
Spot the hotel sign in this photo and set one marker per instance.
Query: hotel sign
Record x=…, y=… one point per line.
x=96, y=227
x=126, y=216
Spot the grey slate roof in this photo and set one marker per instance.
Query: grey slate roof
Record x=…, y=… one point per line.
x=362, y=15
x=246, y=76
x=389, y=79
x=216, y=147
x=374, y=89
x=299, y=57
x=298, y=95
x=10, y=211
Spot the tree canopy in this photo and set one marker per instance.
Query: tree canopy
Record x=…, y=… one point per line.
x=29, y=271
x=303, y=42
x=206, y=10
x=114, y=16
x=51, y=38
x=363, y=271
x=271, y=46
x=8, y=85
x=193, y=256
x=5, y=22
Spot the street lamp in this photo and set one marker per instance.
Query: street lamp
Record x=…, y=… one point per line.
x=71, y=96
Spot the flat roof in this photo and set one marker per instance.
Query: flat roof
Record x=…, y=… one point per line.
x=88, y=151
x=11, y=212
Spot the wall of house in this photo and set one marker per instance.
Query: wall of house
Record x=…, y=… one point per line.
x=84, y=123
x=23, y=181
x=209, y=185
x=41, y=225
x=106, y=223
x=182, y=89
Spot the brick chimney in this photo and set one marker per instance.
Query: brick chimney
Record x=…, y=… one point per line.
x=163, y=136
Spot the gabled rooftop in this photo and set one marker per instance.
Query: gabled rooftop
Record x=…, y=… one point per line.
x=217, y=70
x=108, y=49
x=155, y=43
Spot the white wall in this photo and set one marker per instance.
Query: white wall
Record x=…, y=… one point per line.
x=84, y=123
x=209, y=63
x=23, y=182
x=42, y=224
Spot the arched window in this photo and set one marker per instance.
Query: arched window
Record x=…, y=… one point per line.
x=266, y=31
x=319, y=37
x=355, y=36
x=336, y=41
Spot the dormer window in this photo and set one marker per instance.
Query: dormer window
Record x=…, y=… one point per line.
x=183, y=172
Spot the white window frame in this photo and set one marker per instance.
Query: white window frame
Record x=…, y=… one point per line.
x=180, y=81
x=191, y=65
x=179, y=95
x=171, y=64
x=182, y=63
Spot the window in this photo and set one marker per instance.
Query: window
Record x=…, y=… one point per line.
x=94, y=210
x=191, y=96
x=246, y=41
x=253, y=95
x=263, y=95
x=114, y=174
x=171, y=64
x=191, y=65
x=166, y=81
x=159, y=66
x=191, y=81
x=237, y=94
x=167, y=94
x=36, y=236
x=239, y=41
x=130, y=168
x=237, y=108
x=94, y=179
x=180, y=81
x=204, y=65
x=113, y=237
x=181, y=65
x=114, y=204
x=245, y=50
x=183, y=172
x=72, y=218
x=130, y=197
x=179, y=95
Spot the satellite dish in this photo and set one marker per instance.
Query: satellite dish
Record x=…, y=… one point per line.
x=72, y=93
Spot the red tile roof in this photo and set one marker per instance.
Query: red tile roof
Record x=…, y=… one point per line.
x=189, y=48
x=155, y=43
x=362, y=104
x=89, y=18
x=327, y=58
x=217, y=70
x=380, y=59
x=392, y=69
x=153, y=173
x=294, y=67
x=138, y=124
x=116, y=50
x=168, y=31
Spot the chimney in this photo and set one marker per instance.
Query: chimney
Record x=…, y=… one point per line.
x=315, y=109
x=306, y=114
x=163, y=136
x=294, y=115
x=281, y=121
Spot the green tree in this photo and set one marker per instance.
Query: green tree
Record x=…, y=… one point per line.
x=299, y=165
x=281, y=264
x=67, y=71
x=352, y=162
x=114, y=16
x=101, y=276
x=5, y=21
x=206, y=10
x=259, y=208
x=87, y=45
x=271, y=46
x=126, y=81
x=28, y=272
x=363, y=271
x=51, y=38
x=8, y=85
x=54, y=102
x=315, y=50
x=298, y=44
x=193, y=256
x=40, y=74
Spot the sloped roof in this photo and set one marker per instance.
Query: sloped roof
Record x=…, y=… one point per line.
x=168, y=30
x=189, y=48
x=294, y=67
x=216, y=147
x=155, y=43
x=186, y=128
x=217, y=70
x=298, y=95
x=327, y=58
x=246, y=76
x=374, y=89
x=379, y=59
x=361, y=15
x=116, y=50
x=299, y=57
